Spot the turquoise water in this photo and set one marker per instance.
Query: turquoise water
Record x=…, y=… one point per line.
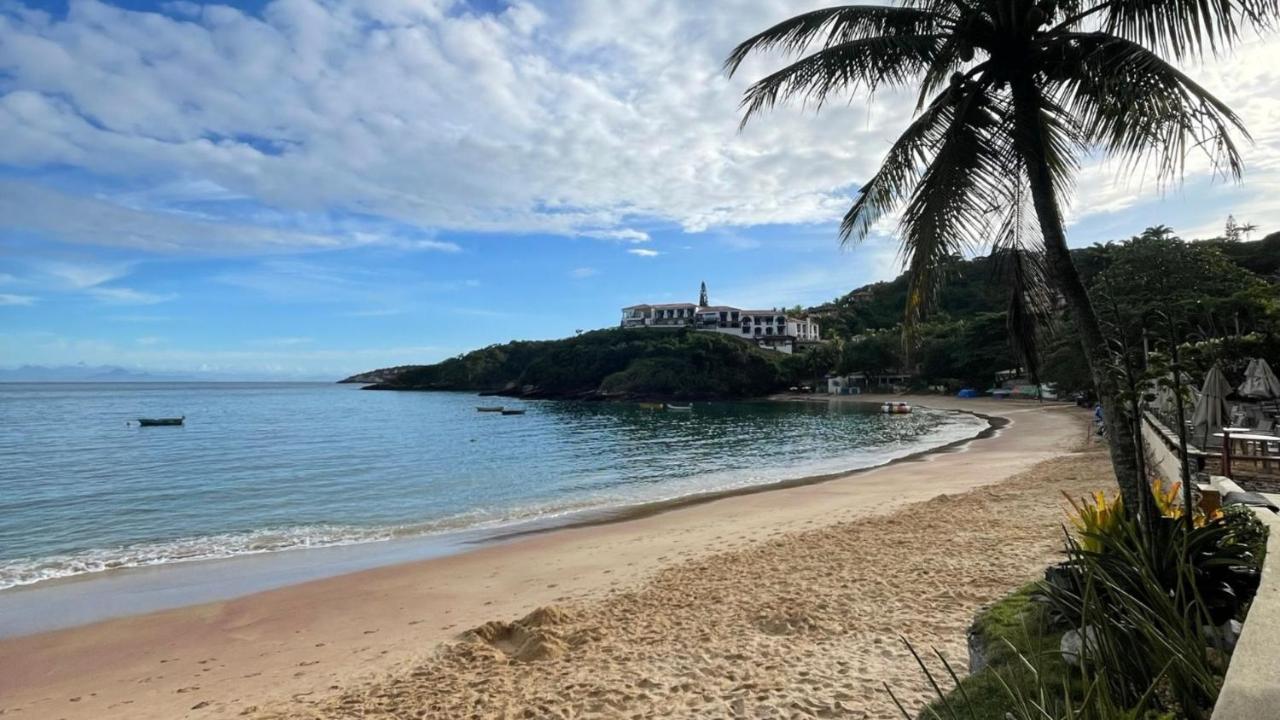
x=262, y=467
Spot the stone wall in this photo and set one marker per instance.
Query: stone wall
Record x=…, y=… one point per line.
x=1251, y=689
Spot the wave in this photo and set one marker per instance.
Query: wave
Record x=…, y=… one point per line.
x=29, y=571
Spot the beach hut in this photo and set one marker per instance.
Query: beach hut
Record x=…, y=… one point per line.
x=1259, y=381
x=1211, y=408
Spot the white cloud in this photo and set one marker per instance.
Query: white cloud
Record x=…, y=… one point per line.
x=92, y=278
x=583, y=272
x=542, y=117
x=236, y=132
x=283, y=341
x=436, y=245
x=129, y=296
x=11, y=299
x=624, y=235
x=643, y=252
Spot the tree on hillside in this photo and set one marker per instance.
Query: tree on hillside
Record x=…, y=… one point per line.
x=1012, y=93
x=1205, y=293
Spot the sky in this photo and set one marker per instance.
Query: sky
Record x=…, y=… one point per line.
x=309, y=188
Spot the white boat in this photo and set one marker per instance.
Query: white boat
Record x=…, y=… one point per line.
x=679, y=408
x=895, y=408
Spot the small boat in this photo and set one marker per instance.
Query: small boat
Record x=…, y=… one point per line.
x=156, y=422
x=679, y=408
x=488, y=408
x=513, y=411
x=895, y=408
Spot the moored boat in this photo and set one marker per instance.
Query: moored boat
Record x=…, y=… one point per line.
x=679, y=408
x=512, y=411
x=895, y=408
x=488, y=408
x=157, y=422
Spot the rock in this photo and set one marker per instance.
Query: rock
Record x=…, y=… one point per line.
x=1074, y=644
x=1224, y=636
x=977, y=650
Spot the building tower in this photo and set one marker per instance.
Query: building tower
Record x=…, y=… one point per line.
x=702, y=295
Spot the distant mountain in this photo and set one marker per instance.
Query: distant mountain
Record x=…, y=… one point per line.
x=115, y=373
x=84, y=373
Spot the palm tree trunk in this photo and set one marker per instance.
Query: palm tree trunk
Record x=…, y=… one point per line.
x=1030, y=144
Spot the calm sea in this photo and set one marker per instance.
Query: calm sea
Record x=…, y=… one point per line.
x=262, y=467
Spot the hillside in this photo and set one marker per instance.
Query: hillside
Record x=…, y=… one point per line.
x=604, y=364
x=973, y=287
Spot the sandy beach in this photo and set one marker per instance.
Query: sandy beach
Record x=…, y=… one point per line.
x=785, y=603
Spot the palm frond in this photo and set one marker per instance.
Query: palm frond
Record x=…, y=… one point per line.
x=834, y=26
x=946, y=213
x=898, y=173
x=1180, y=28
x=1136, y=106
x=1018, y=255
x=864, y=64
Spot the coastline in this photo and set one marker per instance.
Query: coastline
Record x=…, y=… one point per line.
x=258, y=648
x=60, y=602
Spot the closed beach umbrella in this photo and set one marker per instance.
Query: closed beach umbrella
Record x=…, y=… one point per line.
x=1211, y=409
x=1260, y=381
x=1164, y=400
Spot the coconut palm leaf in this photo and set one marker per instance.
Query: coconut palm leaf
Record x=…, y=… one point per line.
x=1135, y=105
x=1186, y=27
x=837, y=25
x=863, y=64
x=1011, y=93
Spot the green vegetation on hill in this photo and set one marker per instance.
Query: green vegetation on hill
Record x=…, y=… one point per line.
x=1225, y=295
x=615, y=363
x=1212, y=288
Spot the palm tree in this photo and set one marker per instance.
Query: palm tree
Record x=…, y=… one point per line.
x=1011, y=94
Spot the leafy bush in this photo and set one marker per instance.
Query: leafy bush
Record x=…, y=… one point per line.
x=1146, y=603
x=1095, y=516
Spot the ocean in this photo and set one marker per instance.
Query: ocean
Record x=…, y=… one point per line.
x=273, y=467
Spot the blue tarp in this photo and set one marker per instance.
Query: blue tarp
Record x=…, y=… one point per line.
x=967, y=393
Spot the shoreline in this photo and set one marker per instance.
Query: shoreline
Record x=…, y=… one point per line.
x=260, y=641
x=57, y=603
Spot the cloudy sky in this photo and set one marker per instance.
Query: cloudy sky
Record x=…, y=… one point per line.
x=314, y=187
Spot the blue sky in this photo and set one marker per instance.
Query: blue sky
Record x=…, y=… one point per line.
x=298, y=188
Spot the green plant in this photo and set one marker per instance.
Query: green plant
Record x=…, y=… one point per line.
x=1095, y=515
x=1144, y=604
x=1012, y=94
x=1170, y=503
x=1245, y=530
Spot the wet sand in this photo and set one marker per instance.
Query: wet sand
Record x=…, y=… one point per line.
x=778, y=603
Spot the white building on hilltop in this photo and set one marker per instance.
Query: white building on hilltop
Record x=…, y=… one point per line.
x=773, y=329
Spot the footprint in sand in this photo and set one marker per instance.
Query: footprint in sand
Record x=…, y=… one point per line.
x=193, y=688
x=306, y=663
